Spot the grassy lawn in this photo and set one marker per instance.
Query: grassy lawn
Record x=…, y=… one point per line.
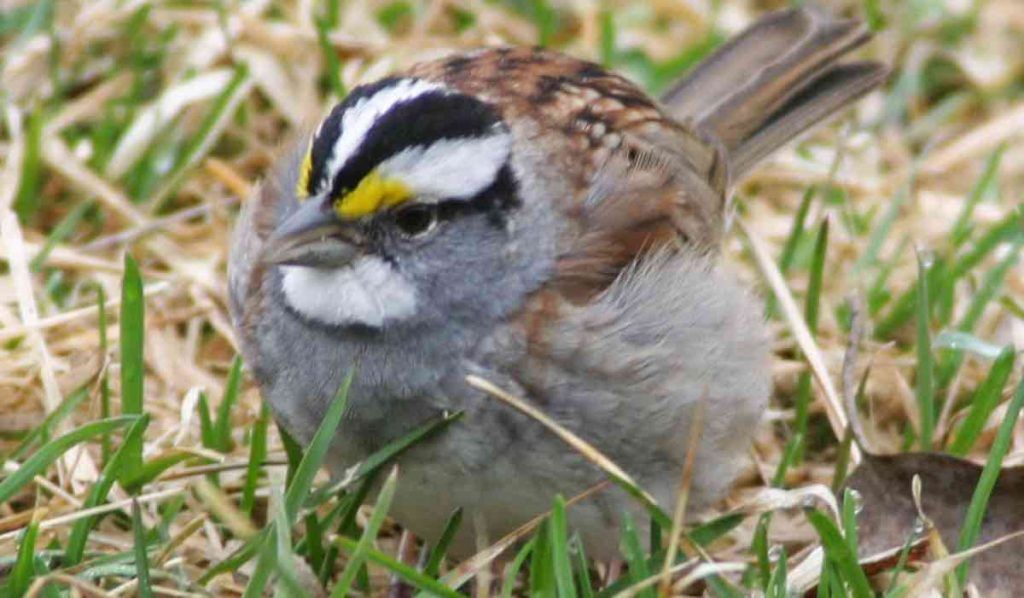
x=137, y=455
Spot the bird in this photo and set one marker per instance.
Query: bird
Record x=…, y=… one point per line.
x=540, y=222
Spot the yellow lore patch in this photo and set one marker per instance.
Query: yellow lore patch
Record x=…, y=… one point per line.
x=302, y=187
x=372, y=194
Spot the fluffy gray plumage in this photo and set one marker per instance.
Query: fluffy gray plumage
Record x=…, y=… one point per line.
x=615, y=221
x=625, y=372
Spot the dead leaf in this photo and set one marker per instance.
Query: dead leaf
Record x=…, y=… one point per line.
x=888, y=516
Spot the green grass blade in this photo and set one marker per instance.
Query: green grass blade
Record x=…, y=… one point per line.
x=878, y=294
x=983, y=188
x=332, y=14
x=634, y=554
x=359, y=553
x=332, y=66
x=26, y=204
x=759, y=546
x=545, y=17
x=583, y=581
x=257, y=455
x=831, y=584
x=396, y=447
x=1007, y=229
x=207, y=435
x=839, y=554
x=222, y=429
x=778, y=584
x=814, y=284
x=288, y=584
x=152, y=469
x=265, y=564
x=24, y=567
x=420, y=581
x=796, y=233
x=141, y=554
x=389, y=451
x=42, y=432
x=314, y=541
x=924, y=386
x=882, y=231
x=101, y=320
x=298, y=487
x=62, y=231
x=132, y=364
x=508, y=585
x=707, y=533
x=395, y=15
x=793, y=448
x=989, y=475
x=905, y=307
x=667, y=72
x=985, y=401
x=812, y=308
x=801, y=420
x=28, y=20
x=51, y=451
x=293, y=452
x=608, y=37
x=990, y=285
x=542, y=576
x=75, y=547
x=561, y=563
x=242, y=555
x=437, y=553
x=849, y=508
x=348, y=508
x=894, y=589
x=876, y=22
x=200, y=142
x=842, y=466
x=654, y=536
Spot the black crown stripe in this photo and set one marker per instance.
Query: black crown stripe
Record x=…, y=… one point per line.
x=328, y=133
x=418, y=121
x=421, y=121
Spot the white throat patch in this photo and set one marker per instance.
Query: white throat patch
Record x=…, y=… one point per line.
x=369, y=292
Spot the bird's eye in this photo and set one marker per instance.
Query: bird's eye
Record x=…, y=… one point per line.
x=417, y=220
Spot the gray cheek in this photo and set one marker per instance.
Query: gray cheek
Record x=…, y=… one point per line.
x=476, y=270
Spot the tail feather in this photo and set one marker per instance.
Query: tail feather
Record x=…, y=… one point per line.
x=774, y=81
x=825, y=96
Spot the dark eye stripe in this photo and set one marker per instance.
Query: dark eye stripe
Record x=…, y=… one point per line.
x=496, y=201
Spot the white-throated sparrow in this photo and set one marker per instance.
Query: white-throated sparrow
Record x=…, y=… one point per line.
x=538, y=221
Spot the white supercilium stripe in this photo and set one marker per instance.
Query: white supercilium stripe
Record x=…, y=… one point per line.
x=450, y=168
x=358, y=119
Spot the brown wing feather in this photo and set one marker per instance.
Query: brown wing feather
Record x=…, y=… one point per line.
x=635, y=206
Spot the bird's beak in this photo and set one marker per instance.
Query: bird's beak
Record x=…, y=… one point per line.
x=314, y=237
